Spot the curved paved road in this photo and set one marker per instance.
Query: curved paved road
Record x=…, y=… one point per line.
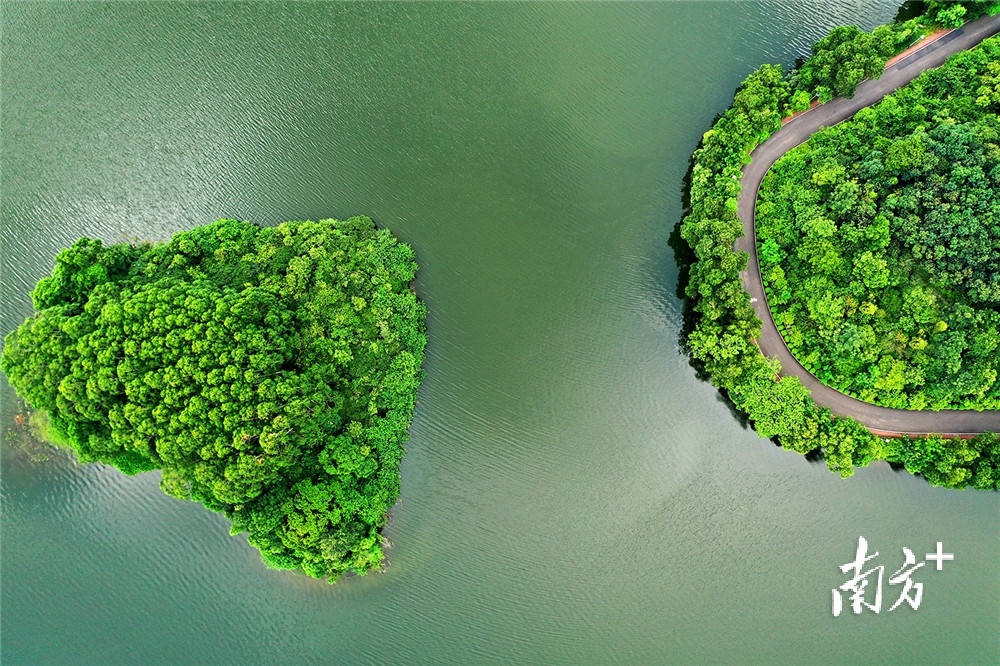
x=797, y=131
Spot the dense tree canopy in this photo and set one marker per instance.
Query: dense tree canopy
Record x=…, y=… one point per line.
x=848, y=55
x=270, y=373
x=880, y=243
x=843, y=59
x=952, y=13
x=725, y=324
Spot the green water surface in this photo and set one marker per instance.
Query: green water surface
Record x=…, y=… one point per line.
x=572, y=492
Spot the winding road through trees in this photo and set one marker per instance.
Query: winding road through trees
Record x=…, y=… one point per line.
x=881, y=420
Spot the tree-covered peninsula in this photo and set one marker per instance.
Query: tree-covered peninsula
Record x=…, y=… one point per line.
x=269, y=373
x=723, y=324
x=879, y=243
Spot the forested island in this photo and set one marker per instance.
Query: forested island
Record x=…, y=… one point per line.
x=269, y=373
x=940, y=293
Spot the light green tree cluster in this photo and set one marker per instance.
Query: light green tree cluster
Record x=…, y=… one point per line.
x=952, y=13
x=270, y=373
x=881, y=243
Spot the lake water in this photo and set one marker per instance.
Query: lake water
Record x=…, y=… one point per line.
x=572, y=492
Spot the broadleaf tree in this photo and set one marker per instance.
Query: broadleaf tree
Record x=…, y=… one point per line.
x=270, y=373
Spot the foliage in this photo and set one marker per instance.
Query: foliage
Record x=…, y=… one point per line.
x=844, y=58
x=848, y=55
x=722, y=339
x=881, y=243
x=270, y=373
x=951, y=14
x=952, y=463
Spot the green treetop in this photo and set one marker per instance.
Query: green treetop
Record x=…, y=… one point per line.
x=270, y=373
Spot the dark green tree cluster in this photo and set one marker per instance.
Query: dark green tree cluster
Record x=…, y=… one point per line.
x=846, y=57
x=722, y=339
x=953, y=13
x=952, y=463
x=270, y=373
x=880, y=243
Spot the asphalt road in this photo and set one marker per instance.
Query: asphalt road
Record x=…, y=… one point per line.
x=794, y=133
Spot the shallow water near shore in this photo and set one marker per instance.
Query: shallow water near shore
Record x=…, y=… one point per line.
x=572, y=492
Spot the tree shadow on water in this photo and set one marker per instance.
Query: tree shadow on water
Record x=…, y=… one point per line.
x=684, y=258
x=910, y=9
